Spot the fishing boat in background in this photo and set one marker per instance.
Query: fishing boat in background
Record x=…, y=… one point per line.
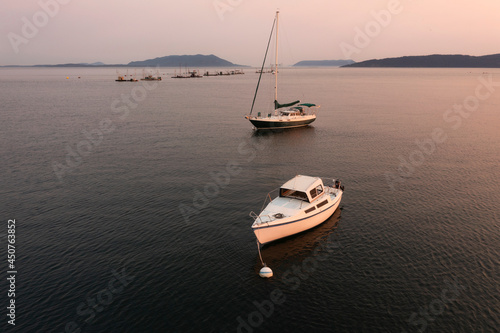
x=186, y=75
x=180, y=75
x=285, y=115
x=302, y=203
x=150, y=77
x=122, y=78
x=194, y=74
x=258, y=71
x=207, y=73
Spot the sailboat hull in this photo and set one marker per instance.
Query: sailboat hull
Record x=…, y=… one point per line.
x=274, y=123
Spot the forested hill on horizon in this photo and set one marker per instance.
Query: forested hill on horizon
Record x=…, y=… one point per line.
x=200, y=60
x=323, y=63
x=196, y=60
x=434, y=60
x=185, y=60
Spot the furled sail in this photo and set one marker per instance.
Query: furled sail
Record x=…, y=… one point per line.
x=278, y=105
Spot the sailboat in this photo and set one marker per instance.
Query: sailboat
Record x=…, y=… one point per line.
x=286, y=115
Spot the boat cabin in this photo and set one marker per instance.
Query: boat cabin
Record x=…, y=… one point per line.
x=302, y=188
x=291, y=112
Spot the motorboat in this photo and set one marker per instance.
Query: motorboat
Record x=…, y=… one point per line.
x=301, y=203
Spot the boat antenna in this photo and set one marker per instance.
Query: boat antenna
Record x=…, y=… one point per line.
x=276, y=64
x=263, y=63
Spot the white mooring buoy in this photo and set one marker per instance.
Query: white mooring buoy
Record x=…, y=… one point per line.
x=266, y=272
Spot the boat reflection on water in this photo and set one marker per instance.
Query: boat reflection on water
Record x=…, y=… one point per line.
x=282, y=254
x=288, y=132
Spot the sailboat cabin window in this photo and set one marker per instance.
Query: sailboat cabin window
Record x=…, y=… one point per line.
x=286, y=193
x=316, y=191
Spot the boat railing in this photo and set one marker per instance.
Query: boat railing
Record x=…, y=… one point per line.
x=258, y=218
x=254, y=216
x=330, y=184
x=269, y=198
x=305, y=110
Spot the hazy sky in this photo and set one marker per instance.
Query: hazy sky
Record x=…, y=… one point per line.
x=120, y=31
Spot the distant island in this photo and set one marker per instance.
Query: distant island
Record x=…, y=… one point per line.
x=200, y=60
x=197, y=60
x=434, y=61
x=312, y=63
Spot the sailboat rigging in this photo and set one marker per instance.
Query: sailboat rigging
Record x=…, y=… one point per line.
x=286, y=115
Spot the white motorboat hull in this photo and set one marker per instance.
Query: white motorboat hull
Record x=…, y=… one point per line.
x=270, y=231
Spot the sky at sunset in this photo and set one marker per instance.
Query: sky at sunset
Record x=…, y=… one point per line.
x=120, y=31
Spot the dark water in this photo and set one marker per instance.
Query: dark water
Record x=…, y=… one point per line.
x=143, y=224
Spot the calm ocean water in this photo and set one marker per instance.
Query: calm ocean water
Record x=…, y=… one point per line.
x=131, y=202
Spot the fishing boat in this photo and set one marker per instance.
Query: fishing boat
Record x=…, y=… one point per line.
x=207, y=73
x=194, y=74
x=286, y=115
x=259, y=71
x=302, y=203
x=150, y=77
x=180, y=76
x=122, y=79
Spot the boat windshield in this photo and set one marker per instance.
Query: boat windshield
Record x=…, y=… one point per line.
x=286, y=193
x=290, y=113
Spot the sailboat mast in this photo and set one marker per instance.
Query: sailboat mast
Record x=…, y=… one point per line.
x=276, y=61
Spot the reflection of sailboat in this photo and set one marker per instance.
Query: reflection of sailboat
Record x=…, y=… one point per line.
x=287, y=115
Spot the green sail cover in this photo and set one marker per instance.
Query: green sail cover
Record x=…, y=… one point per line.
x=278, y=105
x=308, y=104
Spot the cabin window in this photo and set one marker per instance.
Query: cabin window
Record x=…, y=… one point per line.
x=321, y=204
x=316, y=191
x=319, y=189
x=293, y=194
x=310, y=210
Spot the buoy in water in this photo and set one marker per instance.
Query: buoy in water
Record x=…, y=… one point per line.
x=266, y=272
